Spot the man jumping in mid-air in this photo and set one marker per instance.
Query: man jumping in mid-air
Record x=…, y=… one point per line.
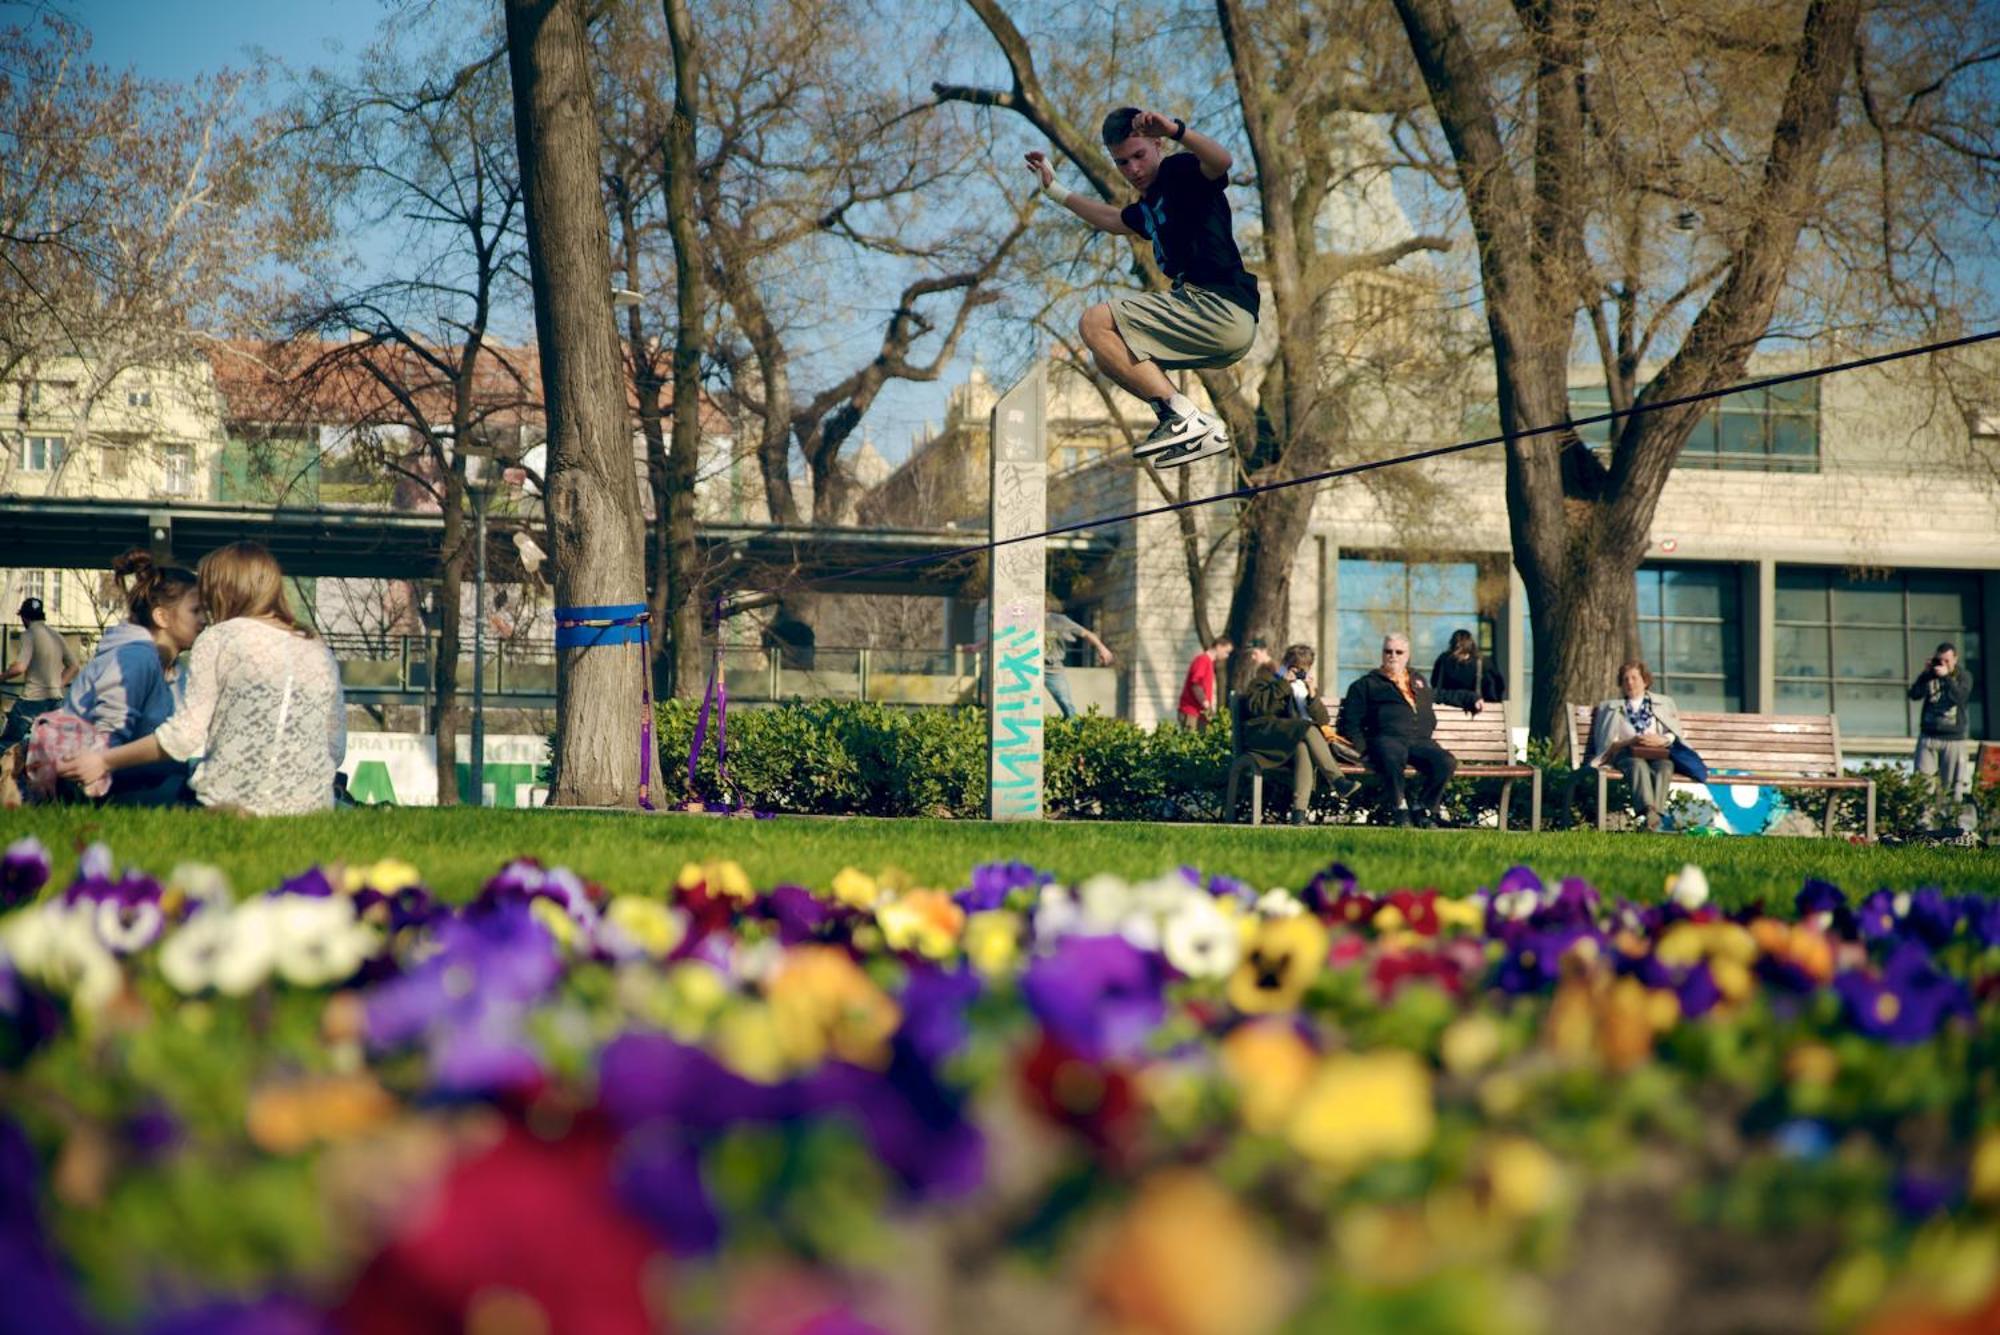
x=1209, y=317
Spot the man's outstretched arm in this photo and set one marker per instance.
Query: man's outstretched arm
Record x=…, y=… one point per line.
x=1104, y=217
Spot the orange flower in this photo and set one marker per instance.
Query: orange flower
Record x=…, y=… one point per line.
x=286, y=1118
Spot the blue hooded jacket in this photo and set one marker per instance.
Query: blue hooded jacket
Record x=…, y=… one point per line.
x=122, y=690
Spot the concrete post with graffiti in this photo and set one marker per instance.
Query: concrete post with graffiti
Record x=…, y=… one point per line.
x=1016, y=602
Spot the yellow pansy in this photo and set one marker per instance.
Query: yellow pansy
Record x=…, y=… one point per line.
x=823, y=1003
x=652, y=926
x=1454, y=912
x=926, y=921
x=993, y=941
x=1470, y=1043
x=1187, y=1257
x=1525, y=1179
x=725, y=879
x=1280, y=960
x=385, y=877
x=553, y=916
x=855, y=888
x=1269, y=1064
x=749, y=1042
x=1360, y=1108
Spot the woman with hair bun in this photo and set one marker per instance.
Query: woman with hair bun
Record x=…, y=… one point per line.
x=124, y=692
x=263, y=708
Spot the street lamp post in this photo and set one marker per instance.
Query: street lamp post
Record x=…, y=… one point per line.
x=480, y=487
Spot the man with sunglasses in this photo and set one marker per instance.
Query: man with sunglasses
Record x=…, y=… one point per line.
x=1390, y=714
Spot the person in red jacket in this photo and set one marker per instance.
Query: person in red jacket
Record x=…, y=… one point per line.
x=1198, y=694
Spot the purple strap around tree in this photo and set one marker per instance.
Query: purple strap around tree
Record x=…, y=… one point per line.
x=701, y=723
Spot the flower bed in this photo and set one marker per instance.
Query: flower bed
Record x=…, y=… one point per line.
x=1185, y=1104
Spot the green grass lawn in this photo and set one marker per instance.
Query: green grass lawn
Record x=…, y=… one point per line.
x=457, y=850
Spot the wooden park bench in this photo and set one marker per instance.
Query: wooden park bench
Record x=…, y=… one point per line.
x=1481, y=742
x=1747, y=750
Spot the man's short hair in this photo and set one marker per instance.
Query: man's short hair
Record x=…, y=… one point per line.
x=1118, y=126
x=1221, y=640
x=1299, y=656
x=31, y=610
x=1395, y=637
x=1946, y=647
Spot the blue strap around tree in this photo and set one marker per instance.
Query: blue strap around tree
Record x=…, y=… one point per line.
x=618, y=623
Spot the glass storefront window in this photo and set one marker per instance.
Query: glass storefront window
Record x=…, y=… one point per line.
x=1851, y=646
x=1425, y=600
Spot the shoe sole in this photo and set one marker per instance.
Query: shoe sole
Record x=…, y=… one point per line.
x=1192, y=428
x=1194, y=452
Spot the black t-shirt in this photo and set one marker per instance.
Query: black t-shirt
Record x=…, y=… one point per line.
x=1186, y=217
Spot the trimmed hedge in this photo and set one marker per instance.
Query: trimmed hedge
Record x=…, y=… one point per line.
x=845, y=758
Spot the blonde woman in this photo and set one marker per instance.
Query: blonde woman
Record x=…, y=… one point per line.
x=263, y=709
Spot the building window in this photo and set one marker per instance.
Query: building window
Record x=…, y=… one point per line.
x=1426, y=601
x=41, y=454
x=179, y=479
x=1691, y=634
x=1851, y=646
x=46, y=585
x=138, y=398
x=1771, y=430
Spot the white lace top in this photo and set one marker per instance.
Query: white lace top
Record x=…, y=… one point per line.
x=265, y=713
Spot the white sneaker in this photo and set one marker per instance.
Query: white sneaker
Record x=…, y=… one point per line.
x=1173, y=431
x=1207, y=446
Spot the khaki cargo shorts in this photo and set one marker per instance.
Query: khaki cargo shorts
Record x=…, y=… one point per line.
x=1188, y=327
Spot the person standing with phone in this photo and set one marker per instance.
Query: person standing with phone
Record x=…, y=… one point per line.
x=1944, y=746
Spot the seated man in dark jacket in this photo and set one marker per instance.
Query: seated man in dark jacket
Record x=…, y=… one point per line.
x=1390, y=715
x=1282, y=718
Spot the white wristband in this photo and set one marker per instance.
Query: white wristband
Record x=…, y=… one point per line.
x=1056, y=190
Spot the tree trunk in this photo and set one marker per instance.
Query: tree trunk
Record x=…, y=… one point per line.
x=1274, y=523
x=1586, y=620
x=596, y=531
x=682, y=573
x=445, y=709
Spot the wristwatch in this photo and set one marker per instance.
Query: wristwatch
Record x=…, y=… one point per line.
x=1180, y=128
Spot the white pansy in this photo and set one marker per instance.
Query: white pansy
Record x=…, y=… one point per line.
x=1278, y=902
x=95, y=864
x=199, y=883
x=1057, y=913
x=1200, y=939
x=125, y=928
x=55, y=945
x=1516, y=904
x=242, y=960
x=756, y=961
x=187, y=959
x=314, y=939
x=1689, y=888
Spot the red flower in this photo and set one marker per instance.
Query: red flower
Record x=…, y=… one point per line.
x=525, y=1223
x=1095, y=1100
x=1395, y=968
x=1352, y=908
x=1419, y=910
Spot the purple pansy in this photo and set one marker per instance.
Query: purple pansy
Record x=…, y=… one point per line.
x=992, y=882
x=468, y=1000
x=799, y=913
x=657, y=1176
x=1100, y=996
x=934, y=1002
x=24, y=869
x=1907, y=1002
x=38, y=1295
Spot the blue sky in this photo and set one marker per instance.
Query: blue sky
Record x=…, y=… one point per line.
x=180, y=40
